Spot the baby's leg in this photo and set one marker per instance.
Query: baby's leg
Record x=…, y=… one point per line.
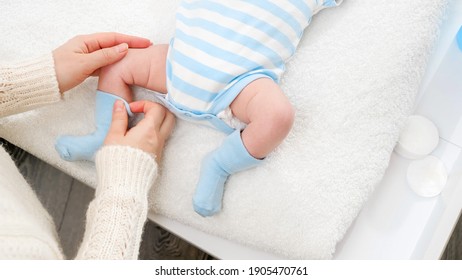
x=269, y=117
x=268, y=114
x=141, y=67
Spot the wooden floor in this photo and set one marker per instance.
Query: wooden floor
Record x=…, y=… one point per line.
x=454, y=247
x=67, y=200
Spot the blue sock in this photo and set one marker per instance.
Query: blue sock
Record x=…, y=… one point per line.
x=229, y=158
x=72, y=148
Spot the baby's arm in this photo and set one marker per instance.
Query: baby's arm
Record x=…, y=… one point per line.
x=140, y=67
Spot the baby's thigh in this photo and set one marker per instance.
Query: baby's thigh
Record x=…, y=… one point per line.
x=258, y=96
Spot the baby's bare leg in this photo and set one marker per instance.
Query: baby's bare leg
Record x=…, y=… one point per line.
x=141, y=67
x=268, y=114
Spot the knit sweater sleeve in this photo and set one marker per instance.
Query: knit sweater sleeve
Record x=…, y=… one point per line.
x=28, y=85
x=116, y=217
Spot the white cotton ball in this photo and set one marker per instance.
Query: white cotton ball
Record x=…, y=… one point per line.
x=418, y=138
x=427, y=176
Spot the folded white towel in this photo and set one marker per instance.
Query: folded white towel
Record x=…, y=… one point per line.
x=352, y=81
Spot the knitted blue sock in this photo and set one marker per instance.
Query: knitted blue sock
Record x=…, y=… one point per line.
x=72, y=148
x=229, y=158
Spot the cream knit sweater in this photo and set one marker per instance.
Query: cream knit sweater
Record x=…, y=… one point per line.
x=116, y=216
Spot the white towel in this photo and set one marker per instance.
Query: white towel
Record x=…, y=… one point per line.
x=352, y=81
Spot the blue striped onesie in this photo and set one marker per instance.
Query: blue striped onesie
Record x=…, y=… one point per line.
x=220, y=46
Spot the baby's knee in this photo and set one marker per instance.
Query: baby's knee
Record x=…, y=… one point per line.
x=282, y=117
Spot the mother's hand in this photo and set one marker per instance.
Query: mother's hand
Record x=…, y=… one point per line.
x=149, y=134
x=83, y=55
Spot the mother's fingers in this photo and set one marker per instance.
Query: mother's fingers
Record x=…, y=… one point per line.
x=98, y=41
x=138, y=106
x=119, y=120
x=143, y=106
x=154, y=113
x=167, y=126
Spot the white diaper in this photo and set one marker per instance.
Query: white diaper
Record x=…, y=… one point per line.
x=228, y=117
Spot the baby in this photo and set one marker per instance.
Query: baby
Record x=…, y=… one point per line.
x=221, y=69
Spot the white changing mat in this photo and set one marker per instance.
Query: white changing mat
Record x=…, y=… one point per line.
x=352, y=81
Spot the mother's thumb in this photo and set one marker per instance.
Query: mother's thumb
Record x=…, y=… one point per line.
x=119, y=119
